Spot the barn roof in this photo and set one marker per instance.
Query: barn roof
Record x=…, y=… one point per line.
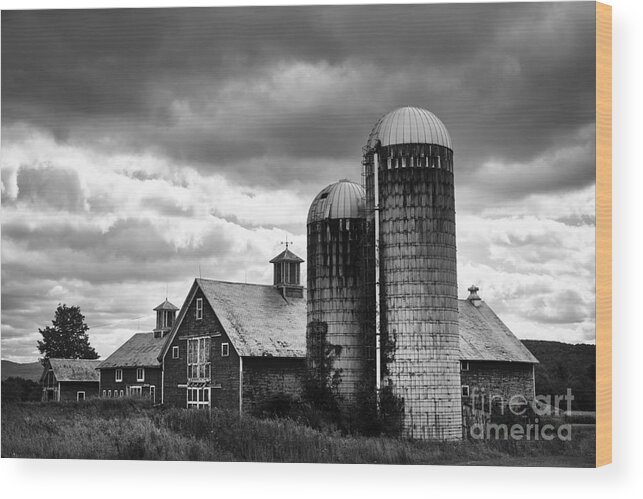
x=74, y=369
x=483, y=336
x=141, y=350
x=259, y=321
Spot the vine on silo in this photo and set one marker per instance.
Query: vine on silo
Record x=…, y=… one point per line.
x=321, y=387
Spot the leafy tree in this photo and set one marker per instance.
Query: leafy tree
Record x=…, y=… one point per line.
x=15, y=389
x=67, y=337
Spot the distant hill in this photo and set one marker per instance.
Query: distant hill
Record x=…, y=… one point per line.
x=562, y=366
x=31, y=370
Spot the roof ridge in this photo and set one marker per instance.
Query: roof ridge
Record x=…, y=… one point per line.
x=238, y=283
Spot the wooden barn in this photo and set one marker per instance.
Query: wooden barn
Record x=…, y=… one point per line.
x=134, y=369
x=495, y=367
x=69, y=379
x=234, y=345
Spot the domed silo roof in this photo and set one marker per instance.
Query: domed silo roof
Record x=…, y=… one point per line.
x=409, y=125
x=343, y=199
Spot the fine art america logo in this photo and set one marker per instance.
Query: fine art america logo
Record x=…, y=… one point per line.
x=542, y=413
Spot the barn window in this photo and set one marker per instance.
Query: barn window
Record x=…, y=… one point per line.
x=118, y=375
x=198, y=398
x=109, y=394
x=465, y=390
x=80, y=396
x=140, y=374
x=122, y=393
x=175, y=352
x=464, y=365
x=199, y=358
x=225, y=349
x=104, y=393
x=199, y=309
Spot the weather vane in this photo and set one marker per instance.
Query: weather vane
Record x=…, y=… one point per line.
x=286, y=242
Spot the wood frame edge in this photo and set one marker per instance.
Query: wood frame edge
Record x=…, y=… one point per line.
x=603, y=234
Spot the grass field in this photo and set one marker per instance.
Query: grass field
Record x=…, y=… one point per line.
x=129, y=429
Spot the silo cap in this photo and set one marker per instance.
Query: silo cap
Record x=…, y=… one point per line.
x=343, y=199
x=409, y=125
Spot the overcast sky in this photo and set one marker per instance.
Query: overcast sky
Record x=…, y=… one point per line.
x=140, y=145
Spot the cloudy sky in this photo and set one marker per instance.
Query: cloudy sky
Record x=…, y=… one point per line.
x=139, y=146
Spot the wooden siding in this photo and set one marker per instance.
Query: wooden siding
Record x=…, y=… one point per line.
x=224, y=382
x=69, y=389
x=153, y=378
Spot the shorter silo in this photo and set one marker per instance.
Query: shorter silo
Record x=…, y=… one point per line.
x=336, y=344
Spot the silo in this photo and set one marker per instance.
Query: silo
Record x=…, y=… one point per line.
x=335, y=339
x=410, y=205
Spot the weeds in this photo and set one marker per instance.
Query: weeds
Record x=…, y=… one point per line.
x=130, y=429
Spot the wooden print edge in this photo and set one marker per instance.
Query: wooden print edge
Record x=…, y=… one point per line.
x=603, y=234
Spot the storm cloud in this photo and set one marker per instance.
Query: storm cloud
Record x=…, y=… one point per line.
x=142, y=147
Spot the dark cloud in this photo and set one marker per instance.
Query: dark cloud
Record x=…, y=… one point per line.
x=563, y=307
x=130, y=250
x=279, y=101
x=49, y=186
x=578, y=220
x=507, y=79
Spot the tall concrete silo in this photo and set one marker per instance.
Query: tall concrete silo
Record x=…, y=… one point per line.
x=335, y=338
x=410, y=205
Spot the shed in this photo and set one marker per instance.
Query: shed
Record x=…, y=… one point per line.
x=69, y=379
x=134, y=369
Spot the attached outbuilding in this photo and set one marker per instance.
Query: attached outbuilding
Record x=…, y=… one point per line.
x=134, y=370
x=497, y=370
x=69, y=379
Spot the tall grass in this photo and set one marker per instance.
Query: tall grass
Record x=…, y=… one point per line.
x=127, y=429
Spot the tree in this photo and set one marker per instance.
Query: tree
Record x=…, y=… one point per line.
x=67, y=338
x=15, y=389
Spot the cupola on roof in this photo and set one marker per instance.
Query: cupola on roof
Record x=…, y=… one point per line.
x=409, y=125
x=343, y=199
x=166, y=305
x=286, y=256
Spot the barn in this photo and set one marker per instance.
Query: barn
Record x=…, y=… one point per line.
x=234, y=345
x=496, y=369
x=134, y=370
x=69, y=379
x=380, y=311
